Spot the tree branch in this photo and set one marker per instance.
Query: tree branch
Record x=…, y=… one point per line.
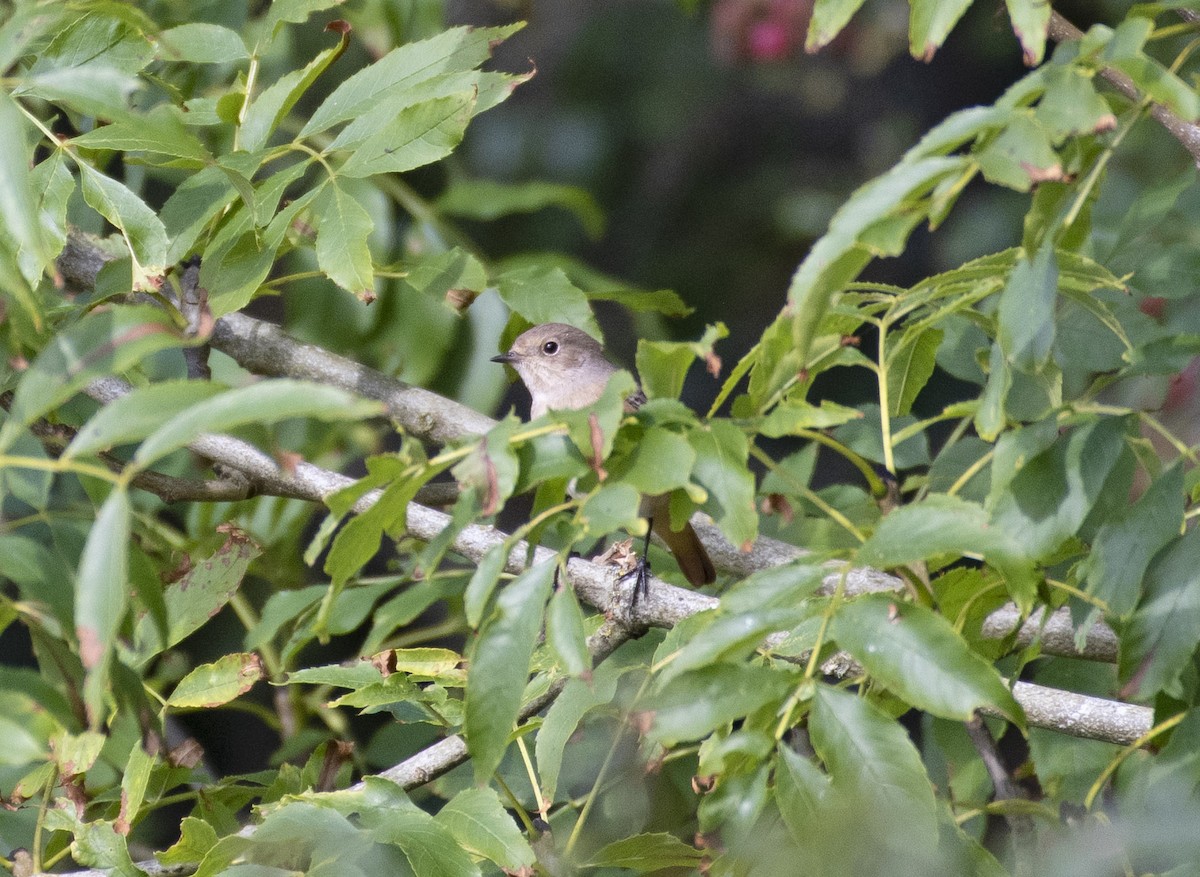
x=1188, y=134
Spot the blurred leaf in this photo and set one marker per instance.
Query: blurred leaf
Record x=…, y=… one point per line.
x=1124, y=547
x=103, y=342
x=1030, y=19
x=489, y=200
x=1021, y=154
x=481, y=825
x=791, y=417
x=930, y=22
x=828, y=19
x=919, y=656
x=192, y=206
x=136, y=415
x=721, y=453
x=211, y=685
x=267, y=401
x=1161, y=637
x=18, y=213
x=564, y=717
x=871, y=759
x=991, y=416
x=734, y=635
x=910, y=365
x=483, y=582
x=1125, y=51
x=948, y=525
x=430, y=847
x=646, y=853
x=201, y=43
x=499, y=666
x=101, y=589
x=1071, y=105
x=343, y=228
x=295, y=11
x=1026, y=313
x=1049, y=498
x=416, y=136
x=802, y=792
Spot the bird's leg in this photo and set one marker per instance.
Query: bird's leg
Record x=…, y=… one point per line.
x=642, y=570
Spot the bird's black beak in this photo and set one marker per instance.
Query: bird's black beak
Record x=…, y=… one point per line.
x=503, y=357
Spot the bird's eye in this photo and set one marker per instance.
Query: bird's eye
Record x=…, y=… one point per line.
x=550, y=348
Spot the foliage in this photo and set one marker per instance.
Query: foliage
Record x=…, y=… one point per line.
x=272, y=151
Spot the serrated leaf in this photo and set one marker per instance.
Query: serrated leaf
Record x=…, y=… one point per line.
x=430, y=847
x=1161, y=637
x=721, y=453
x=917, y=654
x=196, y=838
x=195, y=597
x=219, y=682
x=1030, y=20
x=694, y=704
x=663, y=365
x=480, y=824
x=1026, y=313
x=790, y=418
x=343, y=229
x=948, y=525
x=499, y=666
x=403, y=68
x=143, y=230
x=160, y=132
x=871, y=759
x=416, y=136
x=267, y=401
x=910, y=365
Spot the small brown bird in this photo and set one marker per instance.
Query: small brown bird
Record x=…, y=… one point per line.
x=565, y=368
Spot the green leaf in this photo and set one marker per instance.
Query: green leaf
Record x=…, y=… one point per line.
x=1071, y=105
x=488, y=200
x=612, y=507
x=948, y=525
x=192, y=206
x=1030, y=21
x=565, y=632
x=663, y=365
x=542, y=295
x=499, y=666
x=930, y=22
x=160, y=132
x=694, y=704
x=195, y=597
x=271, y=107
x=103, y=342
x=343, y=228
x=659, y=461
x=646, y=853
x=1026, y=313
x=143, y=230
x=134, y=781
x=483, y=582
x=430, y=847
x=721, y=452
x=991, y=416
x=794, y=416
x=214, y=684
x=136, y=415
x=802, y=793
x=871, y=759
x=1050, y=497
x=201, y=43
x=402, y=69
x=1158, y=644
x=563, y=719
x=1125, y=52
x=101, y=587
x=267, y=401
x=196, y=838
x=1124, y=547
x=1021, y=154
x=910, y=365
x=828, y=19
x=481, y=825
x=416, y=136
x=18, y=211
x=917, y=654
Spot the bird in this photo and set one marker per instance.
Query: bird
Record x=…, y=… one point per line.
x=564, y=368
